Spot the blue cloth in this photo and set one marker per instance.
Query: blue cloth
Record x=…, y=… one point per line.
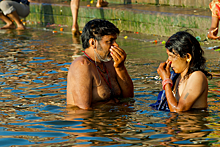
x=161, y=103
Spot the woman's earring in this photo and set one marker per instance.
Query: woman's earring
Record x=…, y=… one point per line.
x=187, y=60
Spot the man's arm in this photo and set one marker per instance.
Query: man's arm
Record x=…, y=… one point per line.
x=125, y=82
x=79, y=84
x=196, y=85
x=123, y=77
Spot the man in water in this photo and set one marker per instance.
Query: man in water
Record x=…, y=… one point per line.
x=100, y=74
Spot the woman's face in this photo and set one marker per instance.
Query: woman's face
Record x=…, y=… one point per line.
x=178, y=64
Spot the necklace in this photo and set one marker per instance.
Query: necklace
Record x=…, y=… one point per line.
x=176, y=89
x=178, y=81
x=108, y=82
x=104, y=68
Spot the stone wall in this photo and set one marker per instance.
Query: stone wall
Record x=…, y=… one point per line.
x=149, y=22
x=182, y=3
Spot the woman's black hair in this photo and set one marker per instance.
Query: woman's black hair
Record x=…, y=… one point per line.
x=96, y=29
x=182, y=43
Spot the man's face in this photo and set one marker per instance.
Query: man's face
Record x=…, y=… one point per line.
x=104, y=45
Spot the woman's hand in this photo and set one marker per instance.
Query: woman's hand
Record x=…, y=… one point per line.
x=164, y=70
x=213, y=34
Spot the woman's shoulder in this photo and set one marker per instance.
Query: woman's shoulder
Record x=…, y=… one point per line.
x=197, y=75
x=197, y=80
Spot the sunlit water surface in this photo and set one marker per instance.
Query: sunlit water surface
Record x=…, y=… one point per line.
x=34, y=65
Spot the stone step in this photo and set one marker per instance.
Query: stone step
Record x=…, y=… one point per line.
x=148, y=19
x=180, y=3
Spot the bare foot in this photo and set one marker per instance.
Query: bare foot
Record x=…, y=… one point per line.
x=7, y=26
x=75, y=32
x=102, y=4
x=75, y=29
x=20, y=28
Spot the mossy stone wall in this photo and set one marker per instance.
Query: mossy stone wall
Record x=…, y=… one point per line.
x=148, y=22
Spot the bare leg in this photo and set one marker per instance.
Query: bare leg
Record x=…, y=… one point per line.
x=9, y=23
x=101, y=3
x=74, y=5
x=14, y=16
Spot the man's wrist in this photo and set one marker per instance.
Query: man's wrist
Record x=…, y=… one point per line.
x=121, y=67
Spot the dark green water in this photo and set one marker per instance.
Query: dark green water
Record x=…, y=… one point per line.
x=34, y=65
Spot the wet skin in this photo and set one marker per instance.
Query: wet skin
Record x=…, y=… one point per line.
x=190, y=92
x=86, y=86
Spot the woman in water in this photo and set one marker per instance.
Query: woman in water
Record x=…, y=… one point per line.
x=185, y=57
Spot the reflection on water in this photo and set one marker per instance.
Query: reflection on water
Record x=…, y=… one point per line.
x=33, y=72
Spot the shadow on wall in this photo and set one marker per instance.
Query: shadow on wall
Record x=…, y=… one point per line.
x=127, y=2
x=102, y=13
x=46, y=15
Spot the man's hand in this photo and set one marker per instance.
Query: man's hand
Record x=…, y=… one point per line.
x=118, y=56
x=164, y=70
x=123, y=78
x=213, y=34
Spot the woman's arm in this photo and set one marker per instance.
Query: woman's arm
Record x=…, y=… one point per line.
x=194, y=91
x=195, y=87
x=164, y=72
x=213, y=31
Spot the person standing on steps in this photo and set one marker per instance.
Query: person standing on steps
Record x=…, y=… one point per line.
x=12, y=10
x=74, y=5
x=215, y=8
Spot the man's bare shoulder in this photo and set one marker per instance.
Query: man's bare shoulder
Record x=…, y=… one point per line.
x=82, y=60
x=80, y=64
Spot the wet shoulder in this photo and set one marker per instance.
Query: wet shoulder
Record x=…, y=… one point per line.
x=81, y=61
x=197, y=79
x=198, y=75
x=80, y=64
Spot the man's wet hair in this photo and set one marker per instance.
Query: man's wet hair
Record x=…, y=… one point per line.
x=182, y=43
x=96, y=29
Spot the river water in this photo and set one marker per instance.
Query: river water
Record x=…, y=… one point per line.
x=34, y=65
